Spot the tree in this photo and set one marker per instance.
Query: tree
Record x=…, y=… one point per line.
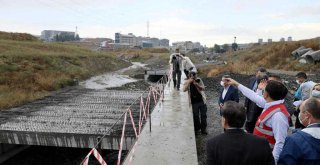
x=77, y=37
x=217, y=48
x=234, y=46
x=225, y=47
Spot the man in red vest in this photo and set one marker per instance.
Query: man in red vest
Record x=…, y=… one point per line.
x=273, y=123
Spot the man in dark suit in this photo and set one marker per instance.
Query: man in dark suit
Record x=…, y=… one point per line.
x=227, y=93
x=252, y=109
x=235, y=146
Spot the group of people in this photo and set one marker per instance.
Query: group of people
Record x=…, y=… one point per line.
x=257, y=132
x=194, y=85
x=266, y=118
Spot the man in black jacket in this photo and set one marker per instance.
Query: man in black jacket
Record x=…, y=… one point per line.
x=227, y=93
x=235, y=146
x=252, y=109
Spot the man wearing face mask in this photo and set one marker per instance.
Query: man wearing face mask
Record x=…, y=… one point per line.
x=235, y=146
x=316, y=91
x=302, y=93
x=273, y=123
x=305, y=85
x=303, y=146
x=227, y=93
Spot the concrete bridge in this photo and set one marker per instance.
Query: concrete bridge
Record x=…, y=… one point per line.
x=73, y=117
x=154, y=74
x=78, y=117
x=172, y=139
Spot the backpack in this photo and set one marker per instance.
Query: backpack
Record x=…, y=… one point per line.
x=175, y=63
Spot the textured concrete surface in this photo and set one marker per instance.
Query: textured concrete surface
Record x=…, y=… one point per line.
x=172, y=139
x=74, y=117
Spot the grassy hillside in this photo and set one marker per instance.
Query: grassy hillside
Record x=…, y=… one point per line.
x=273, y=56
x=31, y=69
x=17, y=36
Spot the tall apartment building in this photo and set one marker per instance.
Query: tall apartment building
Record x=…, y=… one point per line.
x=49, y=35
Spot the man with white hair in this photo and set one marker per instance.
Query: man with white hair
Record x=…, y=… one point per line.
x=303, y=147
x=188, y=65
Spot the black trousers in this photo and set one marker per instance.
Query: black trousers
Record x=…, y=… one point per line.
x=176, y=75
x=253, y=114
x=199, y=116
x=186, y=72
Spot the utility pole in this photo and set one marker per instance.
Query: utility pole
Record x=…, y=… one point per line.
x=148, y=28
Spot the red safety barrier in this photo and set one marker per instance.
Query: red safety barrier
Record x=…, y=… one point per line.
x=122, y=136
x=97, y=155
x=154, y=91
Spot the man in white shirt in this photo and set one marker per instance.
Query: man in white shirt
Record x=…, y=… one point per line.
x=188, y=66
x=227, y=93
x=273, y=123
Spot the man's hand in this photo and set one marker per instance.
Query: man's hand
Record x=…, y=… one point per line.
x=190, y=81
x=231, y=81
x=262, y=85
x=220, y=105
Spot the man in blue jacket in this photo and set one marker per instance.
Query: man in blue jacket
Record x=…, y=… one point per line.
x=228, y=92
x=303, y=147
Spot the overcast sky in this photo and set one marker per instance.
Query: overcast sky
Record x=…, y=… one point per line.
x=205, y=21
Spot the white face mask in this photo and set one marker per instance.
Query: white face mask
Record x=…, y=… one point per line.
x=297, y=81
x=301, y=121
x=222, y=83
x=315, y=93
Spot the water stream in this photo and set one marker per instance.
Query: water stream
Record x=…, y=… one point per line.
x=113, y=79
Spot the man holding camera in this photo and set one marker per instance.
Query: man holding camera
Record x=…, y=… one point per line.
x=196, y=88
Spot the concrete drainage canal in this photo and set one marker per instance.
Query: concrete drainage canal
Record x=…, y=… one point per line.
x=63, y=127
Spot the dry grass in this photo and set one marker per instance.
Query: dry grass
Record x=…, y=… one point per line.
x=272, y=56
x=17, y=36
x=30, y=70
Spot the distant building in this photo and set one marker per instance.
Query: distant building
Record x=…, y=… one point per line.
x=146, y=44
x=289, y=39
x=50, y=35
x=185, y=46
x=164, y=43
x=282, y=39
x=260, y=41
x=125, y=39
x=133, y=41
x=269, y=41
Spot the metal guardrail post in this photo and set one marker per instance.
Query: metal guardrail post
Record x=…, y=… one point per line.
x=99, y=148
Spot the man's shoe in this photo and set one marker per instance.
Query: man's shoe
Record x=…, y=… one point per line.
x=204, y=132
